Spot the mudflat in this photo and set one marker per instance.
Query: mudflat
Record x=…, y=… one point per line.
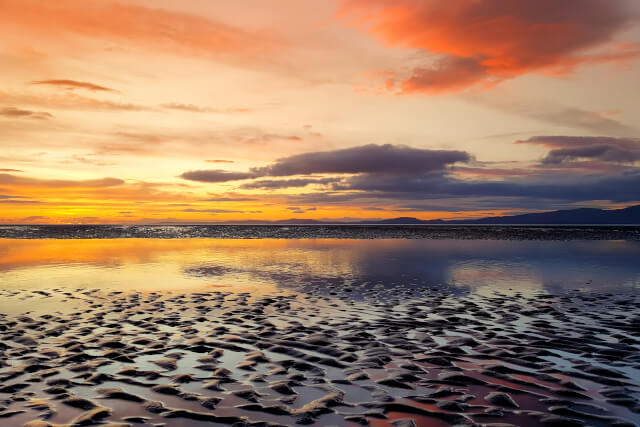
x=408, y=357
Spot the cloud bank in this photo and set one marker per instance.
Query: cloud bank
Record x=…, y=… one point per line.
x=395, y=172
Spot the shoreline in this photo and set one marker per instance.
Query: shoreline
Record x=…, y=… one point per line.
x=342, y=231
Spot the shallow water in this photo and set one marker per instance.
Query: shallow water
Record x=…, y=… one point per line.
x=268, y=265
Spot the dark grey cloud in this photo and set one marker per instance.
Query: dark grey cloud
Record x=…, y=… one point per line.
x=556, y=191
x=601, y=152
x=372, y=159
x=374, y=174
x=444, y=203
x=488, y=203
x=562, y=141
x=571, y=148
x=300, y=210
x=216, y=175
x=377, y=159
x=616, y=188
x=273, y=184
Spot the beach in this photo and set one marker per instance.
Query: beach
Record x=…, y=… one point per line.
x=190, y=332
x=386, y=213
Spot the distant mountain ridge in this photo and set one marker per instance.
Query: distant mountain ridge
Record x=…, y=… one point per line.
x=626, y=216
x=582, y=216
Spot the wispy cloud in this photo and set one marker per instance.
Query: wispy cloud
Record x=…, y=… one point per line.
x=74, y=84
x=147, y=28
x=190, y=108
x=69, y=101
x=13, y=180
x=13, y=112
x=213, y=211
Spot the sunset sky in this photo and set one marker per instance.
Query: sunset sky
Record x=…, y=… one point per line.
x=152, y=111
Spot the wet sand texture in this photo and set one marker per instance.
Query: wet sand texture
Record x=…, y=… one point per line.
x=419, y=357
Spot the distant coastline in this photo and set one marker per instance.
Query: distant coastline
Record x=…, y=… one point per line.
x=629, y=216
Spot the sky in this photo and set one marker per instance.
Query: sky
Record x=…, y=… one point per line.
x=167, y=111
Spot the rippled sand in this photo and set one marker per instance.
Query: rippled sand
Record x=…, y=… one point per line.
x=322, y=356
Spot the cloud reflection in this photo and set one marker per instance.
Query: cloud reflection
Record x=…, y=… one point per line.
x=269, y=264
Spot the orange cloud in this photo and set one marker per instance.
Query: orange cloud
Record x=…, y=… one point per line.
x=13, y=112
x=8, y=179
x=196, y=109
x=95, y=191
x=69, y=101
x=73, y=84
x=26, y=199
x=133, y=25
x=488, y=41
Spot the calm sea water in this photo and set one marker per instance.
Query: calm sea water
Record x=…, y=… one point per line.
x=273, y=265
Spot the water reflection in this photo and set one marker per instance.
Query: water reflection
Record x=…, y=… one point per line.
x=277, y=264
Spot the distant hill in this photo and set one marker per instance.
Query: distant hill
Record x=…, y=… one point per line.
x=630, y=215
x=626, y=216
x=584, y=216
x=407, y=220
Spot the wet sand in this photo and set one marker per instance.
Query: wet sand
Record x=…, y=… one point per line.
x=319, y=357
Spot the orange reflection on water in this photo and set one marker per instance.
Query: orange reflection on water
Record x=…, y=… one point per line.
x=144, y=264
x=256, y=265
x=18, y=253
